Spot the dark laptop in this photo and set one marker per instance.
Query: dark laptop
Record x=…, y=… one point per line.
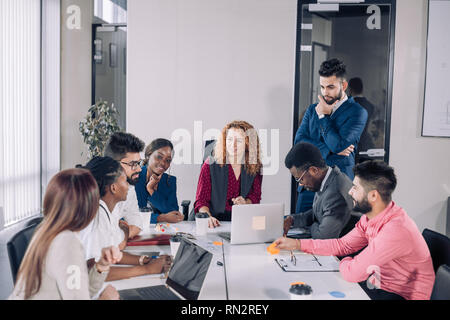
x=186, y=276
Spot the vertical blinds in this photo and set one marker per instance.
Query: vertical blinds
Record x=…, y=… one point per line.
x=20, y=137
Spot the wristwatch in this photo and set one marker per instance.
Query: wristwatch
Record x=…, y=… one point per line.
x=141, y=259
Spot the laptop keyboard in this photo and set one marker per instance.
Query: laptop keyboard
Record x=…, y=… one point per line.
x=148, y=293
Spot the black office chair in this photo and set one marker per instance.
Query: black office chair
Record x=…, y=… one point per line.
x=439, y=246
x=354, y=218
x=208, y=151
x=34, y=221
x=441, y=288
x=17, y=247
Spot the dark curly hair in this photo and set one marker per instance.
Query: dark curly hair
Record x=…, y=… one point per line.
x=332, y=67
x=304, y=155
x=120, y=143
x=377, y=175
x=105, y=170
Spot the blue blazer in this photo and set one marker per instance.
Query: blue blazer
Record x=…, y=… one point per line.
x=163, y=200
x=333, y=134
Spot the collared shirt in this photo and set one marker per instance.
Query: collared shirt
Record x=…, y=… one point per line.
x=129, y=210
x=102, y=232
x=325, y=179
x=340, y=103
x=163, y=200
x=396, y=257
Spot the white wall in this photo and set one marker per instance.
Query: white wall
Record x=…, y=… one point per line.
x=212, y=61
x=422, y=164
x=76, y=74
x=219, y=60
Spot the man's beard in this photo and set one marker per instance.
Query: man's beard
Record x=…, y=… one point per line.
x=134, y=181
x=363, y=206
x=339, y=97
x=314, y=188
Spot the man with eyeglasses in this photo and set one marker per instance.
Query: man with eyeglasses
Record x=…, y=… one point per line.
x=332, y=206
x=126, y=148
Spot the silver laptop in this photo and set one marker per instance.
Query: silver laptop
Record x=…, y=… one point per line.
x=185, y=279
x=256, y=223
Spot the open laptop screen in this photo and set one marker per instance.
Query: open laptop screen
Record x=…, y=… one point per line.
x=189, y=269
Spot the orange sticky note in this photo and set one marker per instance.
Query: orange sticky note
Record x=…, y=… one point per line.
x=272, y=250
x=217, y=243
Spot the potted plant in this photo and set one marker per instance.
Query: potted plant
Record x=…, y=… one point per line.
x=100, y=123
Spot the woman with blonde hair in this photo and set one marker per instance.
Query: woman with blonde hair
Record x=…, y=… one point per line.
x=54, y=265
x=232, y=176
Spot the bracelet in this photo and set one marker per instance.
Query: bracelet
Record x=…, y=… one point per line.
x=99, y=269
x=141, y=259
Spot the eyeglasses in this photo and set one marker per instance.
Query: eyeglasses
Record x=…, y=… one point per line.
x=293, y=258
x=133, y=164
x=299, y=180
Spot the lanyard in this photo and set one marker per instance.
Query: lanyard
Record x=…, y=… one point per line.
x=106, y=211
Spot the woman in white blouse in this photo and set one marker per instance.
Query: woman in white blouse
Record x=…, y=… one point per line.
x=104, y=230
x=54, y=265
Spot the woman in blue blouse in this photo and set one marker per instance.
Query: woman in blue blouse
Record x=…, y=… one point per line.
x=157, y=188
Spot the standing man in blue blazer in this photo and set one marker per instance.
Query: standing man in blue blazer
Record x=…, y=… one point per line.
x=334, y=125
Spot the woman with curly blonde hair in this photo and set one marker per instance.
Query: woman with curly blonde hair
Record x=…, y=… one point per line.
x=232, y=176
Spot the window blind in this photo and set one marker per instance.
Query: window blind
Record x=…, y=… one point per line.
x=20, y=86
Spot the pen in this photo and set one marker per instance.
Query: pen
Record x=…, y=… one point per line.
x=293, y=259
x=284, y=265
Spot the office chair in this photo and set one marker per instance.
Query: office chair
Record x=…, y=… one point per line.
x=17, y=247
x=354, y=218
x=441, y=288
x=189, y=215
x=34, y=221
x=208, y=151
x=439, y=246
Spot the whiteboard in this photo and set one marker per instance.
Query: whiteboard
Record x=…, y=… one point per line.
x=436, y=111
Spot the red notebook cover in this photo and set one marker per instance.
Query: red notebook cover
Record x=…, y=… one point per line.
x=158, y=239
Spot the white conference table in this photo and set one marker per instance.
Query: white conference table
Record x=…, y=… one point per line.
x=251, y=272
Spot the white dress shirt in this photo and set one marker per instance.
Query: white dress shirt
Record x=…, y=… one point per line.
x=129, y=210
x=340, y=103
x=325, y=179
x=102, y=232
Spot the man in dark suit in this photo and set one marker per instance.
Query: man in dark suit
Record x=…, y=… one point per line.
x=355, y=90
x=334, y=125
x=332, y=204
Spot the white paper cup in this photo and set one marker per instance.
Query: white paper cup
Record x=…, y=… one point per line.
x=146, y=216
x=174, y=245
x=201, y=225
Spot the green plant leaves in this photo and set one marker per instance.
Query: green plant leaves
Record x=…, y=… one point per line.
x=98, y=125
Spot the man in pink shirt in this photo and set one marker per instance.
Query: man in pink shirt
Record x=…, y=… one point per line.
x=396, y=261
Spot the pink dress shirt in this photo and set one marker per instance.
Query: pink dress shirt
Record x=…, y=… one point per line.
x=396, y=258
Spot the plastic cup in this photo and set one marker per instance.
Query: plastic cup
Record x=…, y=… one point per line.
x=146, y=215
x=201, y=223
x=174, y=245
